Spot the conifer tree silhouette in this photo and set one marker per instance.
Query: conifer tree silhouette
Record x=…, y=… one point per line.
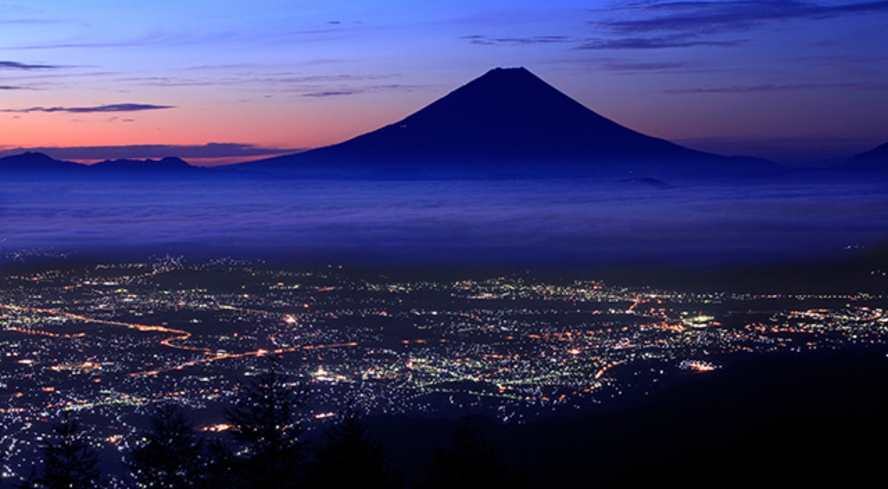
x=171, y=456
x=470, y=462
x=351, y=458
x=222, y=469
x=69, y=462
x=266, y=427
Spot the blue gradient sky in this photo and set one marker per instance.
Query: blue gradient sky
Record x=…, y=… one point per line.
x=787, y=80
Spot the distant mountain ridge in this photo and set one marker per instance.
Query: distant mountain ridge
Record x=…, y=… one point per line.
x=42, y=164
x=508, y=123
x=31, y=162
x=168, y=164
x=874, y=160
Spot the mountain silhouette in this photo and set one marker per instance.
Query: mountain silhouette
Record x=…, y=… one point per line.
x=874, y=160
x=32, y=162
x=38, y=165
x=165, y=165
x=507, y=123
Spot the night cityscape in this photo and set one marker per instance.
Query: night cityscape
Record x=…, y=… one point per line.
x=443, y=245
x=111, y=341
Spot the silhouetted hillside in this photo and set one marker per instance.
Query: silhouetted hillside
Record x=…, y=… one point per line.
x=166, y=167
x=875, y=160
x=508, y=123
x=781, y=418
x=31, y=166
x=37, y=163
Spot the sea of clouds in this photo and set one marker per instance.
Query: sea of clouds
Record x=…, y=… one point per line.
x=461, y=222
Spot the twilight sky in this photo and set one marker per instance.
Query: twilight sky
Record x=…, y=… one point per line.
x=236, y=80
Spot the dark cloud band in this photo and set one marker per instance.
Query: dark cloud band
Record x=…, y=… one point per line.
x=773, y=87
x=210, y=150
x=652, y=43
x=661, y=24
x=98, y=108
x=736, y=15
x=331, y=93
x=517, y=41
x=15, y=65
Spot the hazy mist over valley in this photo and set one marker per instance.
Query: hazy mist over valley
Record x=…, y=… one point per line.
x=522, y=223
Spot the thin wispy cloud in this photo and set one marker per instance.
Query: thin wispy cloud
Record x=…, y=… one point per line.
x=393, y=87
x=643, y=67
x=331, y=93
x=26, y=21
x=685, y=24
x=169, y=81
x=98, y=108
x=18, y=14
x=708, y=17
x=210, y=150
x=517, y=41
x=607, y=43
x=659, y=42
x=681, y=24
x=15, y=65
x=775, y=87
x=154, y=38
x=181, y=39
x=283, y=78
x=310, y=85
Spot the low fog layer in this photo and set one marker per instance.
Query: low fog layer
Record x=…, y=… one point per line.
x=462, y=222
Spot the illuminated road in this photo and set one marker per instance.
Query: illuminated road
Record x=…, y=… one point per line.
x=178, y=335
x=255, y=353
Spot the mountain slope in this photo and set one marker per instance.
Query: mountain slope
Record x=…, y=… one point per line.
x=874, y=160
x=32, y=162
x=508, y=122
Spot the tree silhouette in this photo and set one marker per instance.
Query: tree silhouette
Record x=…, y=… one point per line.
x=171, y=456
x=222, y=467
x=470, y=462
x=265, y=425
x=69, y=462
x=351, y=459
x=32, y=482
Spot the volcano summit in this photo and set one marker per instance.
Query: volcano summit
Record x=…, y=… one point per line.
x=507, y=123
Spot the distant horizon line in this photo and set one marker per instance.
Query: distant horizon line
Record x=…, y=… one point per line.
x=79, y=154
x=214, y=155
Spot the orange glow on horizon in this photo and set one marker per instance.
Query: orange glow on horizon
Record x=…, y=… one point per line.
x=287, y=124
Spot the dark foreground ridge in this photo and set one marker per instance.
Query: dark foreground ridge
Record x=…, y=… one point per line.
x=787, y=420
x=507, y=123
x=812, y=421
